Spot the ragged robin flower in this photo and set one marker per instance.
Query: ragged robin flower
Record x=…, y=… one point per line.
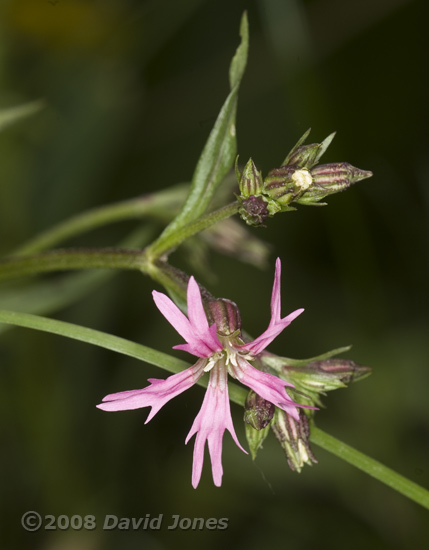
x=221, y=351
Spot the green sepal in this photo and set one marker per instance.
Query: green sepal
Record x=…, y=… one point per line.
x=250, y=181
x=295, y=147
x=276, y=362
x=307, y=156
x=255, y=438
x=293, y=435
x=314, y=377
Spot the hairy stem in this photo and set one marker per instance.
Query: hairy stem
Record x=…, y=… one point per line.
x=68, y=259
x=165, y=245
x=160, y=205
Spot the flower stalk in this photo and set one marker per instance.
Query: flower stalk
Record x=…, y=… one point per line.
x=70, y=259
x=161, y=205
x=166, y=244
x=112, y=258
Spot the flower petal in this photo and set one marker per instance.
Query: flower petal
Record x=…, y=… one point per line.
x=277, y=324
x=275, y=295
x=201, y=339
x=268, y=386
x=210, y=424
x=157, y=394
x=198, y=318
x=273, y=330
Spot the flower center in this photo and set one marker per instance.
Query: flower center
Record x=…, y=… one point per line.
x=211, y=362
x=228, y=355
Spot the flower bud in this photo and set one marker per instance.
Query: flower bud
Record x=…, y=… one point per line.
x=255, y=438
x=332, y=178
x=225, y=314
x=307, y=156
x=258, y=414
x=257, y=411
x=250, y=180
x=294, y=436
x=327, y=375
x=341, y=370
x=254, y=210
x=287, y=183
x=312, y=378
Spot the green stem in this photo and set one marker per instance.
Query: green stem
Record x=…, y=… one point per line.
x=165, y=245
x=62, y=260
x=159, y=205
x=65, y=259
x=371, y=467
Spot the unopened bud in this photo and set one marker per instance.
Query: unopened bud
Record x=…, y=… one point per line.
x=286, y=184
x=332, y=178
x=258, y=414
x=293, y=436
x=257, y=411
x=250, y=180
x=255, y=438
x=311, y=379
x=307, y=156
x=329, y=374
x=343, y=371
x=225, y=314
x=254, y=210
x=318, y=377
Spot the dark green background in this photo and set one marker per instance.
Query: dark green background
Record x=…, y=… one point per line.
x=133, y=89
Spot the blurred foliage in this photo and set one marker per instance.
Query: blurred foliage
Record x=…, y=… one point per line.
x=132, y=88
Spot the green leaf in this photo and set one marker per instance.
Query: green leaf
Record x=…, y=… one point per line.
x=91, y=336
x=238, y=63
x=14, y=114
x=219, y=151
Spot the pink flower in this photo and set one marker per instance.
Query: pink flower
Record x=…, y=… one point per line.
x=218, y=354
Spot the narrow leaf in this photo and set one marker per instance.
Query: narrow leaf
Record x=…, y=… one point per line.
x=219, y=151
x=91, y=336
x=238, y=63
